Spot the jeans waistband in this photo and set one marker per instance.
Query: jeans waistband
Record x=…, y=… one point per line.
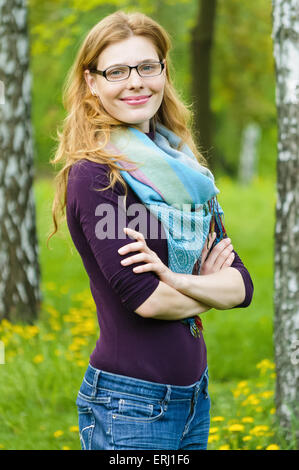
x=100, y=379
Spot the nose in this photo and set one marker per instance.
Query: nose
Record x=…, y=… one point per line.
x=135, y=80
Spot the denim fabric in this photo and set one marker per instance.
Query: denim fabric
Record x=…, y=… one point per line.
x=120, y=413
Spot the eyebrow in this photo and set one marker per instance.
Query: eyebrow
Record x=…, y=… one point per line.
x=143, y=61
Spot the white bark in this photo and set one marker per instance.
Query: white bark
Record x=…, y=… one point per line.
x=286, y=325
x=19, y=268
x=249, y=154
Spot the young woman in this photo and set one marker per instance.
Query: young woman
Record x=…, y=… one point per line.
x=126, y=149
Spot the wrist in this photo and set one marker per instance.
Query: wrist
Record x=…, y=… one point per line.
x=176, y=280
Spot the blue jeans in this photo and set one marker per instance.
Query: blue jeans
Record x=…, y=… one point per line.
x=119, y=413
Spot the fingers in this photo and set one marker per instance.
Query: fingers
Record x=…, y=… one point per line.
x=136, y=259
x=131, y=247
x=220, y=256
x=229, y=261
x=137, y=246
x=133, y=233
x=218, y=249
x=224, y=256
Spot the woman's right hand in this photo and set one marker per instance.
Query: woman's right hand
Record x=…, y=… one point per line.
x=221, y=256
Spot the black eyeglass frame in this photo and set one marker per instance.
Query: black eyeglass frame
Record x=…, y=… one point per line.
x=103, y=72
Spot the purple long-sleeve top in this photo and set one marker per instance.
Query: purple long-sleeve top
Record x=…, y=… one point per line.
x=145, y=348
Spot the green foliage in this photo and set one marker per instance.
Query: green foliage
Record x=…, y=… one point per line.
x=243, y=82
x=243, y=79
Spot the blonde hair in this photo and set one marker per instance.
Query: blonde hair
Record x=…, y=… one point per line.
x=87, y=126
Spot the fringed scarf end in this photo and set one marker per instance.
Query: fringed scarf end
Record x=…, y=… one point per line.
x=195, y=326
x=216, y=218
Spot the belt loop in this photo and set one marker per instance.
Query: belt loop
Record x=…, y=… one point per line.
x=167, y=397
x=95, y=382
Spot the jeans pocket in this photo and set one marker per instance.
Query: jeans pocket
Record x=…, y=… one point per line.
x=86, y=425
x=136, y=409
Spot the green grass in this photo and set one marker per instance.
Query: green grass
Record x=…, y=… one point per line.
x=45, y=363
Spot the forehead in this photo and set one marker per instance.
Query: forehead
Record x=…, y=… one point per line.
x=130, y=51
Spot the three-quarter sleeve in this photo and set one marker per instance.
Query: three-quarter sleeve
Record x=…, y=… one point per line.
x=238, y=264
x=248, y=284
x=102, y=217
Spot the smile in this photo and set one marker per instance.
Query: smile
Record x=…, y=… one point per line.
x=136, y=100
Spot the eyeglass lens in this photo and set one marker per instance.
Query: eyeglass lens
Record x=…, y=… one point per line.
x=123, y=71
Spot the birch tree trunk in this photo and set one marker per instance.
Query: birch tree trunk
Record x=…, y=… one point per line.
x=201, y=49
x=286, y=324
x=19, y=268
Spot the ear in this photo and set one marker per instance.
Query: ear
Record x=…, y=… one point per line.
x=90, y=81
x=164, y=62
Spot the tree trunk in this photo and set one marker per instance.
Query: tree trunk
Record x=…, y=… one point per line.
x=19, y=269
x=201, y=48
x=286, y=324
x=249, y=153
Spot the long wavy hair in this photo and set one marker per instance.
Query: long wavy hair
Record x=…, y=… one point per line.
x=87, y=126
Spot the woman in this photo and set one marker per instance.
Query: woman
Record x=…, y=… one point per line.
x=126, y=146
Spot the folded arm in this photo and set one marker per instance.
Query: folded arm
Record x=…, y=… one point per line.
x=221, y=290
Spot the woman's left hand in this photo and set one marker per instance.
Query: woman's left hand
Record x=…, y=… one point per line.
x=152, y=260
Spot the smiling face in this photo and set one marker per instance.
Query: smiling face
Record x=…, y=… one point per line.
x=114, y=95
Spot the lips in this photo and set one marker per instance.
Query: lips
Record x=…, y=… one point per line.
x=136, y=98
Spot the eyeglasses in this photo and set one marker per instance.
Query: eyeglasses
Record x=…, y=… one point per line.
x=122, y=72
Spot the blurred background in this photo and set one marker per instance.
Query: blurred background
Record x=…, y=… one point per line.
x=231, y=87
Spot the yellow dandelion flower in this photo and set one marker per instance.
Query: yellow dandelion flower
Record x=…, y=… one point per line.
x=259, y=409
x=66, y=448
x=242, y=384
x=259, y=430
x=251, y=400
x=236, y=428
x=265, y=365
x=218, y=418
x=58, y=433
x=81, y=363
x=213, y=438
x=224, y=447
x=247, y=419
x=266, y=394
x=74, y=428
x=273, y=447
x=272, y=411
x=38, y=359
x=246, y=438
x=213, y=430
